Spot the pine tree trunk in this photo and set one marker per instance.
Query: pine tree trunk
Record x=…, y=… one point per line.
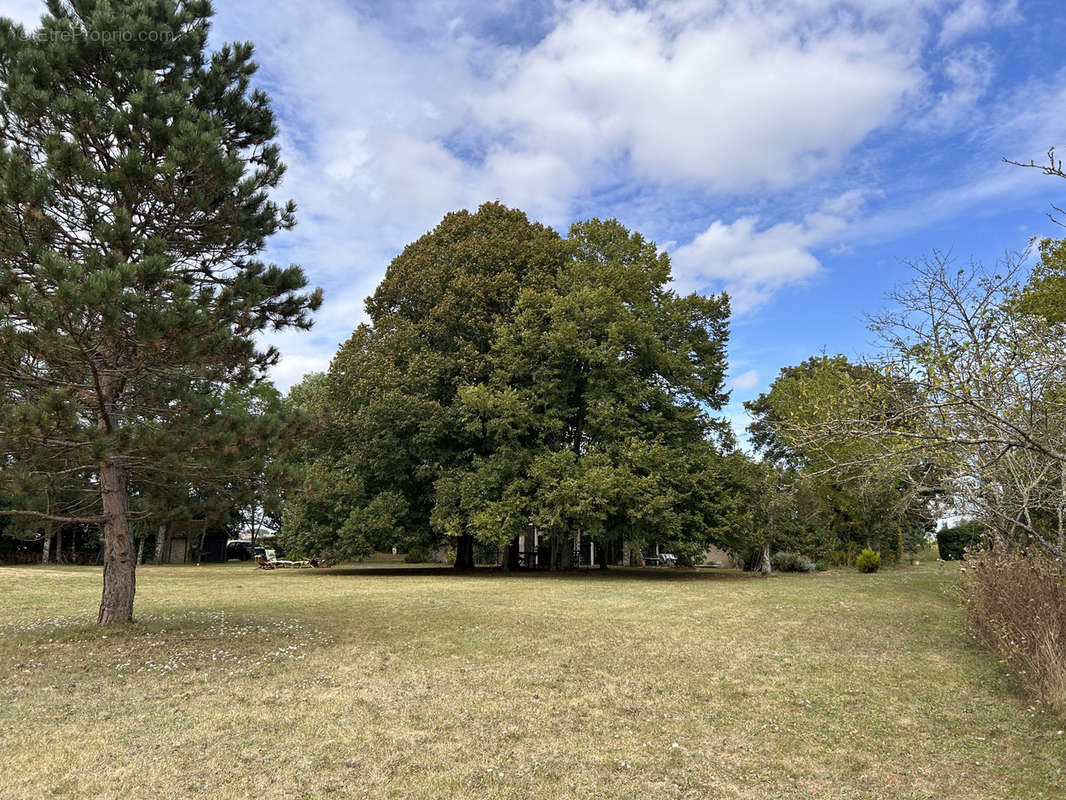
x=464, y=552
x=160, y=543
x=47, y=547
x=120, y=567
x=140, y=551
x=200, y=549
x=59, y=546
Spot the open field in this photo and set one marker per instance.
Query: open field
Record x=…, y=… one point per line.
x=417, y=683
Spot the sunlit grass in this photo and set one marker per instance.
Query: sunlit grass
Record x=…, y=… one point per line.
x=241, y=683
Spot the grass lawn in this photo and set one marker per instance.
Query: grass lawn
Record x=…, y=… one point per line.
x=239, y=683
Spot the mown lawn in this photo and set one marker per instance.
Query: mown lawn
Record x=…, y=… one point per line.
x=238, y=683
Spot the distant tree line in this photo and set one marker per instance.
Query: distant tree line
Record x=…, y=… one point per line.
x=511, y=380
x=966, y=403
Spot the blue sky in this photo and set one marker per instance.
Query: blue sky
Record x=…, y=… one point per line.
x=793, y=152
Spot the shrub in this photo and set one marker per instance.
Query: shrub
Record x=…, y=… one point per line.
x=1017, y=605
x=418, y=555
x=845, y=557
x=868, y=561
x=952, y=542
x=784, y=561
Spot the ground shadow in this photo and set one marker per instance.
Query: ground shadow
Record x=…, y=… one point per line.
x=496, y=573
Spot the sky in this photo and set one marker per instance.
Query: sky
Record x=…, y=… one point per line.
x=795, y=153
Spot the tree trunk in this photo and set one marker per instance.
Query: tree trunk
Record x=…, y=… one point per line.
x=140, y=551
x=120, y=567
x=764, y=563
x=47, y=547
x=464, y=552
x=59, y=546
x=200, y=549
x=510, y=556
x=160, y=543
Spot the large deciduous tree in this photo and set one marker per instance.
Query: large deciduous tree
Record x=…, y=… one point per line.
x=986, y=351
x=392, y=420
x=135, y=180
x=511, y=377
x=597, y=416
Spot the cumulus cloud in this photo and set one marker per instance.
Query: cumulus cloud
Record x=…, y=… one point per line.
x=706, y=105
x=392, y=115
x=751, y=262
x=382, y=139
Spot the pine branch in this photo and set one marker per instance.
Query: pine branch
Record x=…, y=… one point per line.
x=96, y=520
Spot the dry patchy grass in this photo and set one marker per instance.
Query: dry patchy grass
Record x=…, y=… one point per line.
x=416, y=683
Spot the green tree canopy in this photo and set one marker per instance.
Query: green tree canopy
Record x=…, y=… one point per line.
x=597, y=411
x=853, y=490
x=391, y=420
x=510, y=377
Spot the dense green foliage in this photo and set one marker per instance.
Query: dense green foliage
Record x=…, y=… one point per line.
x=784, y=561
x=136, y=174
x=595, y=411
x=1044, y=293
x=834, y=498
x=952, y=542
x=391, y=420
x=418, y=555
x=511, y=378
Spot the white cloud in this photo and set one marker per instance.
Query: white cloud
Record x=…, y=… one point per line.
x=968, y=16
x=745, y=381
x=971, y=16
x=383, y=140
x=725, y=104
x=390, y=116
x=753, y=263
x=969, y=71
x=383, y=137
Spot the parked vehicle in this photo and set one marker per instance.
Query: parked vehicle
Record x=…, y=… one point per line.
x=240, y=549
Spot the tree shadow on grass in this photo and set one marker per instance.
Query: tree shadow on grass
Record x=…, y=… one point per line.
x=496, y=573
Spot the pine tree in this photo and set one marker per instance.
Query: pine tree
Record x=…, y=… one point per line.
x=135, y=179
